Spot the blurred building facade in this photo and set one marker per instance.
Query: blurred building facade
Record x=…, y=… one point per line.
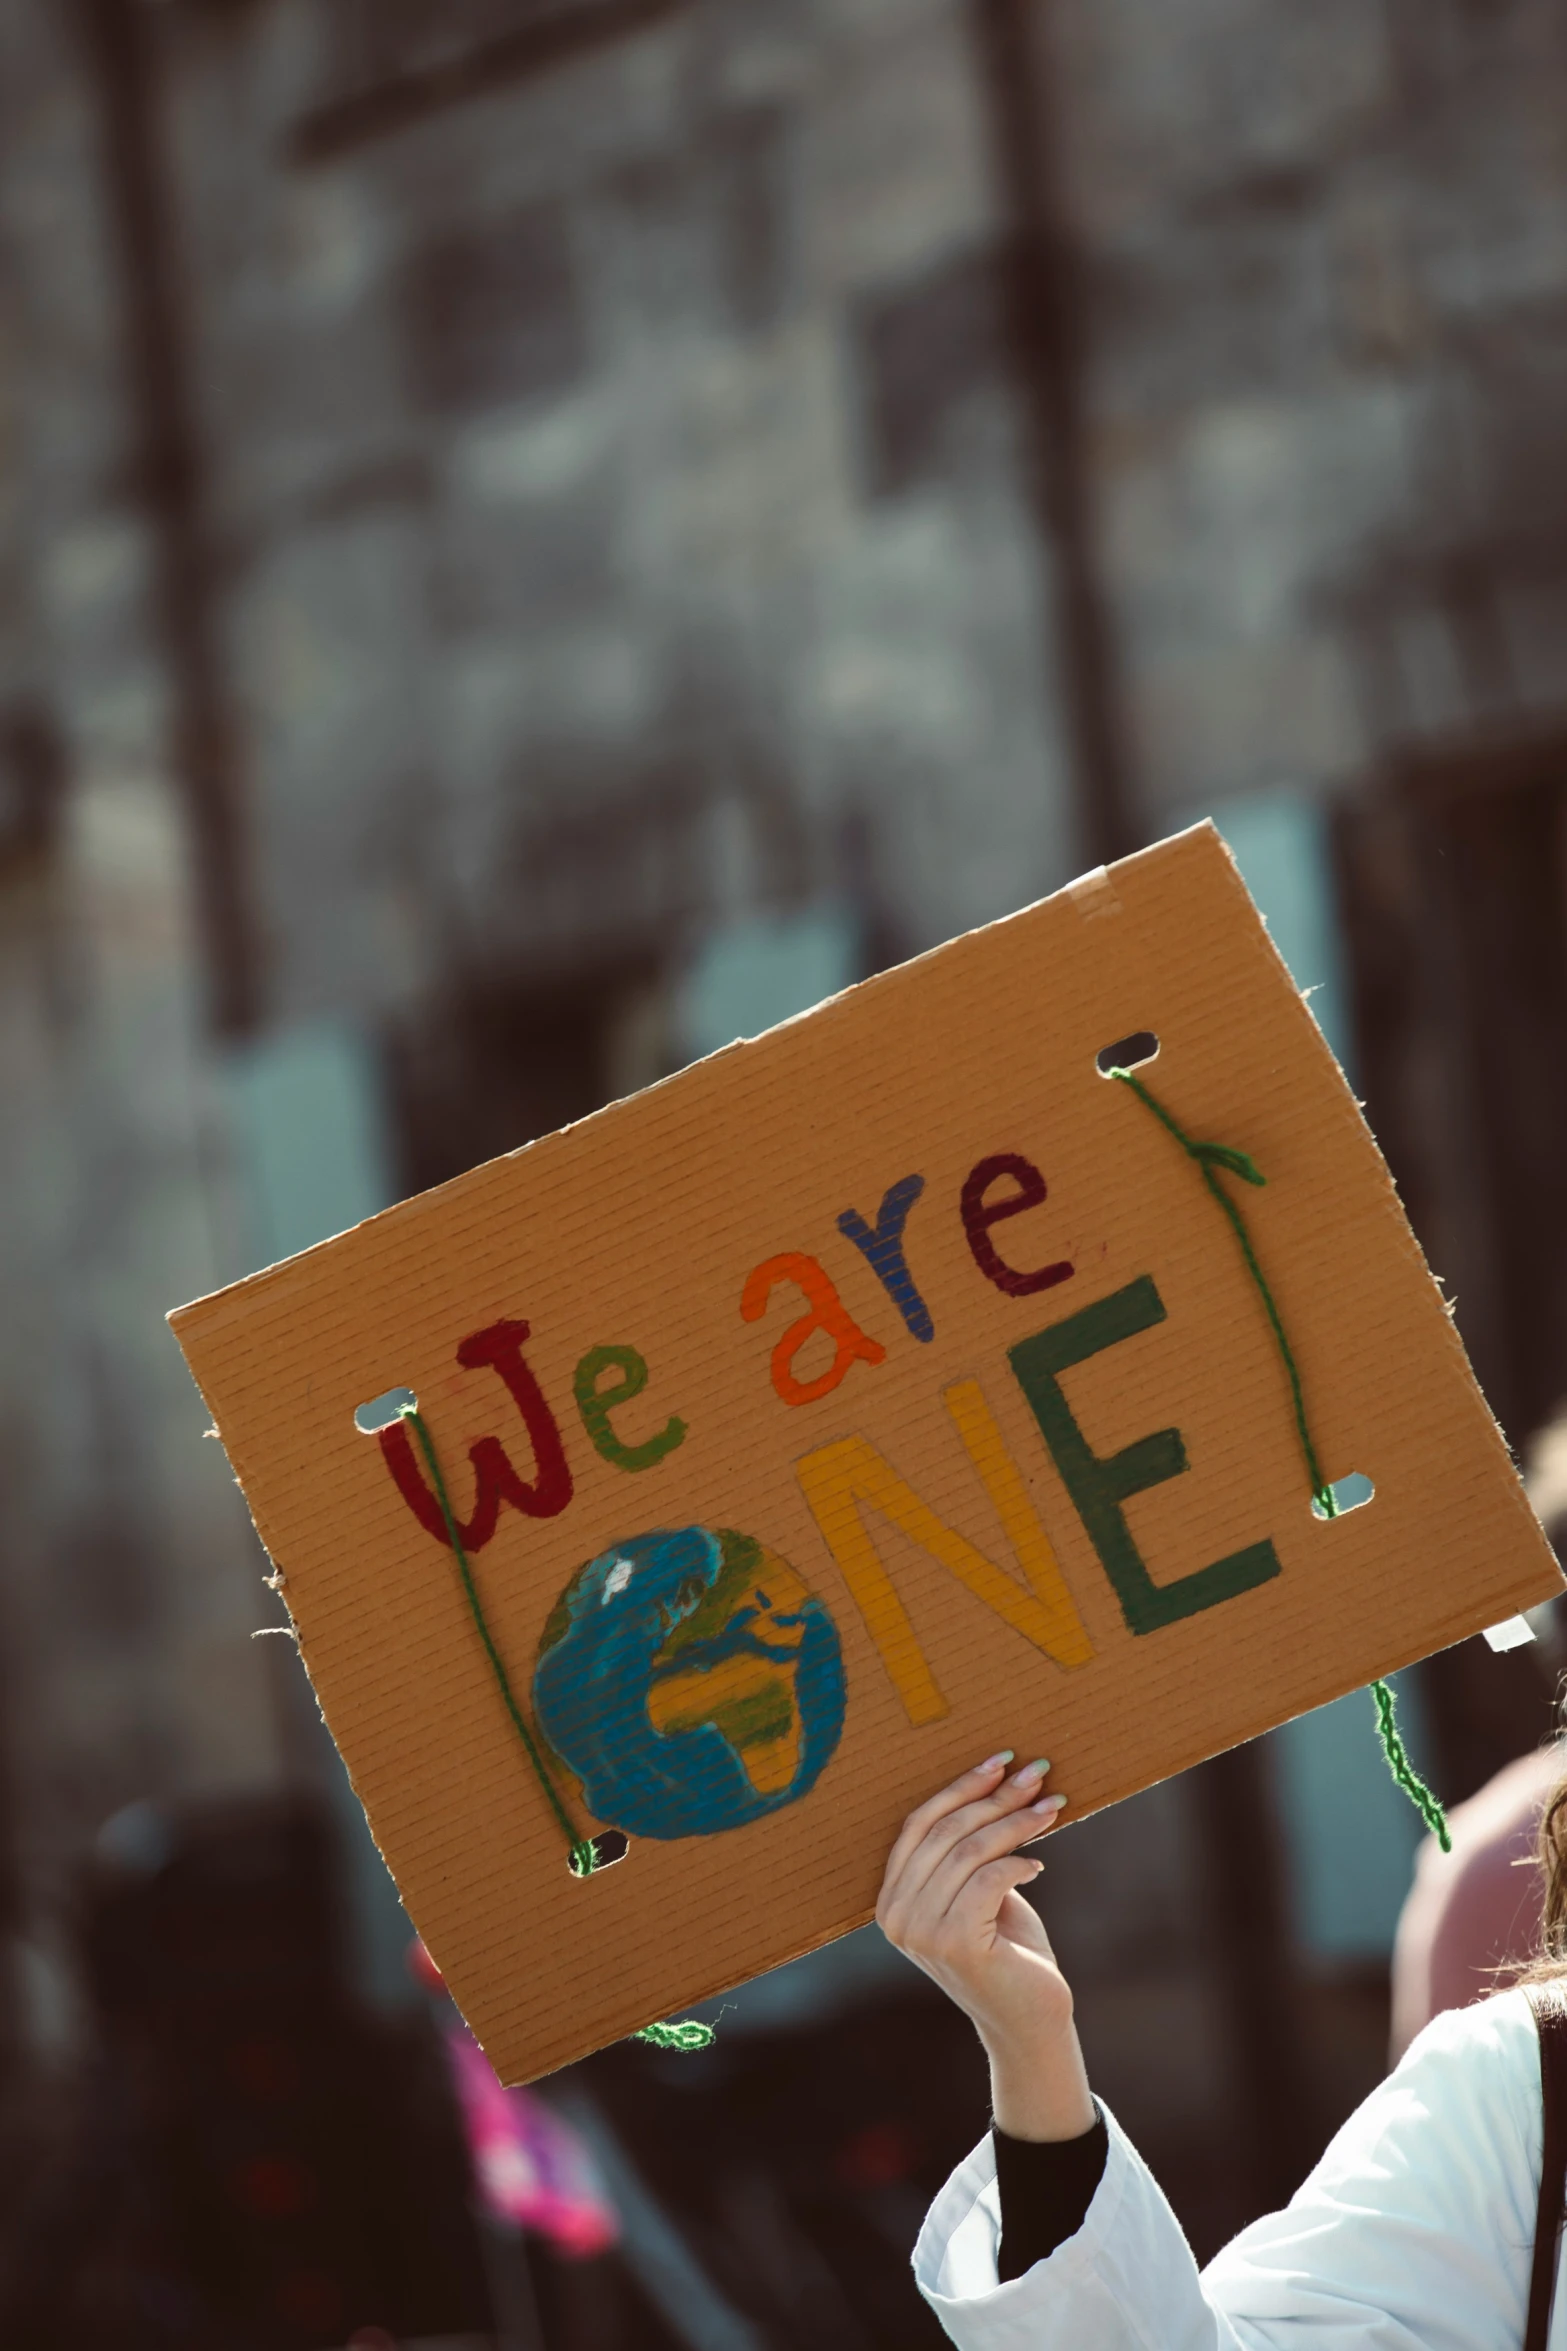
x=504, y=506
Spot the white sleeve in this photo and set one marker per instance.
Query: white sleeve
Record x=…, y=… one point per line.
x=1414, y=2233
x=1416, y=2230
x=1125, y=2282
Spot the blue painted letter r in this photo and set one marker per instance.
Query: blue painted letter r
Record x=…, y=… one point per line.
x=883, y=1247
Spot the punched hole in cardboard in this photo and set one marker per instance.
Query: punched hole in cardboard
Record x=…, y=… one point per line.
x=382, y=1411
x=1349, y=1493
x=609, y=1846
x=1127, y=1052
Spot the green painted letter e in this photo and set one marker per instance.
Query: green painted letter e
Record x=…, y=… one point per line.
x=1099, y=1486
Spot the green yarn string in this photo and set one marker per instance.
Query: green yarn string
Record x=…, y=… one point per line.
x=1209, y=1157
x=686, y=2036
x=1403, y=1770
x=580, y=1849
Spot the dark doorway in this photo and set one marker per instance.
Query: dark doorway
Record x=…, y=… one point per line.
x=500, y=1060
x=1453, y=883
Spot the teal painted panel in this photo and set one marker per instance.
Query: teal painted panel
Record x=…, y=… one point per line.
x=310, y=1137
x=749, y=977
x=311, y=1133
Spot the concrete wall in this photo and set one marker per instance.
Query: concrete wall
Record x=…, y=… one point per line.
x=1327, y=252
x=623, y=488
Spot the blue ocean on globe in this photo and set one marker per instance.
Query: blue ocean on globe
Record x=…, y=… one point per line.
x=690, y=1681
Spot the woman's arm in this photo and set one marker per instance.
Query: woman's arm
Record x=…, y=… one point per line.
x=949, y=1900
x=1413, y=2234
x=1116, y=2264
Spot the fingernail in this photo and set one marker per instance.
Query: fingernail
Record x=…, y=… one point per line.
x=994, y=1762
x=1048, y=1804
x=1030, y=1775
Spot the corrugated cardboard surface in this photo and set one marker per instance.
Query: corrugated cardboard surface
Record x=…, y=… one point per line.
x=640, y=1225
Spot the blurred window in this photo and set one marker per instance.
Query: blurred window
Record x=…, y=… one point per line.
x=494, y=315
x=923, y=351
x=33, y=780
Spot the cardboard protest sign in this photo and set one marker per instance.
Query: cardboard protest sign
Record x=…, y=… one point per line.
x=870, y=1396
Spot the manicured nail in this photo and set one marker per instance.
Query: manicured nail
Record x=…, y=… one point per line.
x=1029, y=1777
x=994, y=1762
x=1048, y=1804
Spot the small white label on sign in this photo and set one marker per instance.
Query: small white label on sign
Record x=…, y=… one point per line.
x=1510, y=1634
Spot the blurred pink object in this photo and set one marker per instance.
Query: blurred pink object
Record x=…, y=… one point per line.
x=532, y=2169
x=1476, y=1910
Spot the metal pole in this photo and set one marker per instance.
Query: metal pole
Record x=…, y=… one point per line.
x=1043, y=310
x=119, y=39
x=1250, y=1956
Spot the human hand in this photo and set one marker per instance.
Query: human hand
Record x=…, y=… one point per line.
x=949, y=1901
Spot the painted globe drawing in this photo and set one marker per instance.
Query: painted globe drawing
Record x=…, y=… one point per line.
x=690, y=1681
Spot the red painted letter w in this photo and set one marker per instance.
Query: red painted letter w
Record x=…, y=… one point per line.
x=495, y=1481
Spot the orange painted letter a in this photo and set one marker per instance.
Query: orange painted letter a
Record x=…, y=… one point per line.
x=827, y=1313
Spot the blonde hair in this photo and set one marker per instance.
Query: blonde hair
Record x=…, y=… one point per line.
x=1551, y=1958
